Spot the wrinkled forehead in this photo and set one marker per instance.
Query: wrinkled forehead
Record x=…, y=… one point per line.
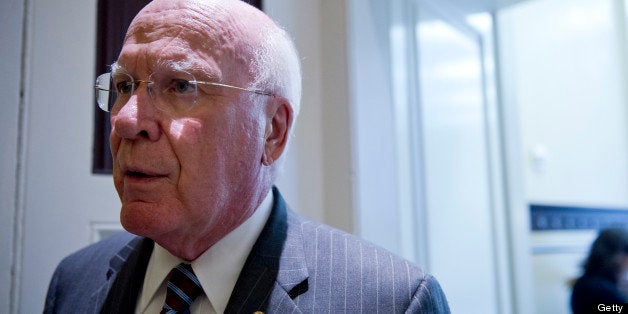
x=200, y=38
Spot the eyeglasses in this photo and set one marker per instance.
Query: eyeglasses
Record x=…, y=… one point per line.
x=173, y=92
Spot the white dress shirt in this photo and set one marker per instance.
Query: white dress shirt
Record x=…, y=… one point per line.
x=217, y=268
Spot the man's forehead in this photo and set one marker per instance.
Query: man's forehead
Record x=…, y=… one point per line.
x=135, y=62
x=205, y=17
x=163, y=42
x=205, y=37
x=223, y=19
x=176, y=24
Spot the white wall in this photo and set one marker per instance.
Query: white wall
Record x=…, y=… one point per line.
x=318, y=178
x=564, y=73
x=304, y=193
x=379, y=216
x=61, y=198
x=11, y=14
x=568, y=61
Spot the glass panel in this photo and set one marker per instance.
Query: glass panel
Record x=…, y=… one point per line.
x=456, y=163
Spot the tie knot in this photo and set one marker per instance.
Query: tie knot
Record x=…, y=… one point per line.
x=182, y=288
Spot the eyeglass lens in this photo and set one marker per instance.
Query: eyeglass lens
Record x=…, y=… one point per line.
x=170, y=91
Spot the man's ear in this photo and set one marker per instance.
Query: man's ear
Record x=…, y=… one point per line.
x=280, y=117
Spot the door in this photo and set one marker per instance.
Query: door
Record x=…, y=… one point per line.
x=460, y=216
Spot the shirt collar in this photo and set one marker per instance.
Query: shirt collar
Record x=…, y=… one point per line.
x=217, y=268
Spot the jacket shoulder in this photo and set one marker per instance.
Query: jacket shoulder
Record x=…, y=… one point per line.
x=81, y=274
x=347, y=272
x=96, y=256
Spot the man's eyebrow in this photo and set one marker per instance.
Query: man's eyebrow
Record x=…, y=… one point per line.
x=165, y=65
x=174, y=66
x=117, y=68
x=188, y=66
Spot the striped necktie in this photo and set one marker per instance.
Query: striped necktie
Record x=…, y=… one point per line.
x=183, y=287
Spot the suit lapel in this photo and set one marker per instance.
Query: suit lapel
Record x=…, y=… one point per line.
x=125, y=277
x=275, y=271
x=274, y=274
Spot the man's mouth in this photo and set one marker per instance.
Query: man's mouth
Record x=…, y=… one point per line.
x=139, y=174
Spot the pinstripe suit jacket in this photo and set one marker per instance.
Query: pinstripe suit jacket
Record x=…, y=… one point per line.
x=295, y=266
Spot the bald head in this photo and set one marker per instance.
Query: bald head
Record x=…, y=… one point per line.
x=247, y=41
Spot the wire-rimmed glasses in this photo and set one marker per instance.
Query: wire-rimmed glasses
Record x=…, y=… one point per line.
x=173, y=92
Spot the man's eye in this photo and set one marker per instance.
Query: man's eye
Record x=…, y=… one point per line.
x=124, y=87
x=182, y=86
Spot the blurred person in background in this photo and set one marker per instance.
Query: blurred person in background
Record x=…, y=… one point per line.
x=604, y=269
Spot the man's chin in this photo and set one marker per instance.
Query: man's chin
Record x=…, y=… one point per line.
x=144, y=219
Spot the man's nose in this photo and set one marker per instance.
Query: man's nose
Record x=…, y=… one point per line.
x=138, y=118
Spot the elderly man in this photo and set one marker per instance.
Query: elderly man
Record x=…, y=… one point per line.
x=202, y=100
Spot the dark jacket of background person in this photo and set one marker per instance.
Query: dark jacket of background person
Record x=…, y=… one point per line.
x=607, y=260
